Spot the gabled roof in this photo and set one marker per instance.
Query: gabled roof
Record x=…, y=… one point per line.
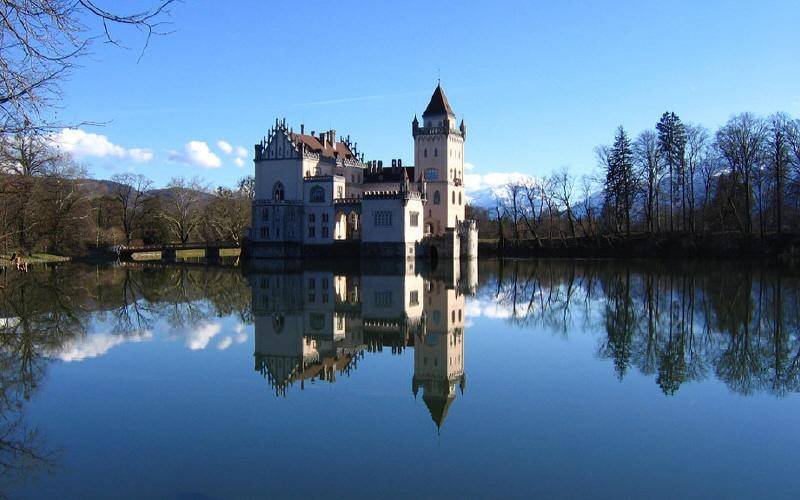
x=438, y=104
x=313, y=143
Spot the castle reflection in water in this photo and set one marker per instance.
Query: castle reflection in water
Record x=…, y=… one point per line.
x=314, y=324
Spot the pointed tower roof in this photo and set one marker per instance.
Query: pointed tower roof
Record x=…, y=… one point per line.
x=438, y=104
x=438, y=406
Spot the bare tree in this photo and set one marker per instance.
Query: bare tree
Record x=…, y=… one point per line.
x=650, y=171
x=697, y=150
x=182, y=207
x=41, y=42
x=779, y=152
x=564, y=185
x=130, y=191
x=532, y=213
x=247, y=187
x=513, y=206
x=228, y=215
x=741, y=144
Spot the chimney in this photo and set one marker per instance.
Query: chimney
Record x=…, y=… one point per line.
x=323, y=138
x=394, y=163
x=399, y=163
x=302, y=128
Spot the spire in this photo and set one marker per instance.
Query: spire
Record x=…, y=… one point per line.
x=438, y=104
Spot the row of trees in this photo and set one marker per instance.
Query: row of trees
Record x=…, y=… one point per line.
x=48, y=204
x=676, y=178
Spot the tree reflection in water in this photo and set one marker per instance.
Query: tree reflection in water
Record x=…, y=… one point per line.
x=46, y=310
x=679, y=322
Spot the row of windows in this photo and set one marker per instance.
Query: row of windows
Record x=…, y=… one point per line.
x=453, y=152
x=437, y=198
x=383, y=218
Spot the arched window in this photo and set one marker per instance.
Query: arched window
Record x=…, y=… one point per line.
x=277, y=191
x=425, y=152
x=317, y=194
x=459, y=198
x=431, y=174
x=435, y=152
x=454, y=197
x=436, y=198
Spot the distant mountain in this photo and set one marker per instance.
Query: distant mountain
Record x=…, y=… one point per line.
x=98, y=188
x=487, y=196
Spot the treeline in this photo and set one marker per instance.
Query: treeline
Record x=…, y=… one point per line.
x=48, y=204
x=677, y=180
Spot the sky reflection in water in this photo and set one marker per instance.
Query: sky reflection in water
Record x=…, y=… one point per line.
x=560, y=378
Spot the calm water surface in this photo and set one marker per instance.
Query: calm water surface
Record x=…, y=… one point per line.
x=522, y=378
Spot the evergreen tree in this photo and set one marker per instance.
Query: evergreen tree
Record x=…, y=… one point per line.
x=620, y=182
x=672, y=146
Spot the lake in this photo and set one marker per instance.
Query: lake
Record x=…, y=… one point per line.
x=552, y=378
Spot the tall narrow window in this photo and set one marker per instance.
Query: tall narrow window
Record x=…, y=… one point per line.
x=277, y=192
x=436, y=198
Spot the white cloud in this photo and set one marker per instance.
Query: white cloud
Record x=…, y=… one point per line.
x=225, y=343
x=239, y=162
x=241, y=152
x=82, y=144
x=140, y=155
x=225, y=147
x=241, y=335
x=198, y=154
x=200, y=337
x=95, y=345
x=476, y=308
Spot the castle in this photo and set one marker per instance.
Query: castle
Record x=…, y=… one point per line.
x=316, y=195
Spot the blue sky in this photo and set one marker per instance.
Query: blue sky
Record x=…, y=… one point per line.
x=539, y=84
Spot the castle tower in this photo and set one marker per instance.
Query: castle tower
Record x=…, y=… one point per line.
x=439, y=350
x=439, y=159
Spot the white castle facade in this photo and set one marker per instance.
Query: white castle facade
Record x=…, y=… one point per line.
x=316, y=195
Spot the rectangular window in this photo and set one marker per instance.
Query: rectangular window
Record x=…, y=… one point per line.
x=312, y=233
x=383, y=218
x=263, y=232
x=414, y=219
x=324, y=217
x=311, y=283
x=413, y=300
x=311, y=218
x=324, y=231
x=277, y=232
